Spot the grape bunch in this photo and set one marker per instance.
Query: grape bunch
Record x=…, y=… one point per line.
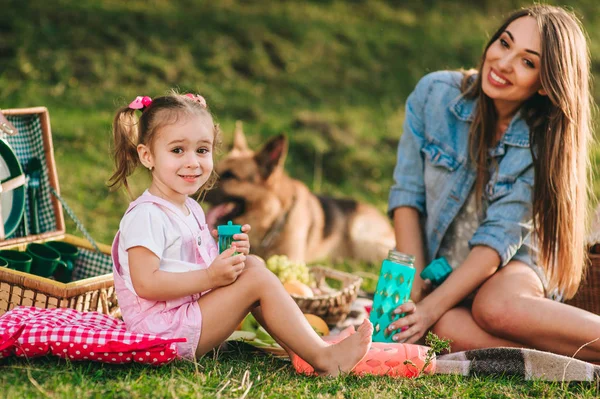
x=288, y=270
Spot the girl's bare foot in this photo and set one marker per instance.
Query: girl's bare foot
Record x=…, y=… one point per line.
x=343, y=356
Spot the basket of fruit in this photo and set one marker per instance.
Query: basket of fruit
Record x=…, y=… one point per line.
x=317, y=290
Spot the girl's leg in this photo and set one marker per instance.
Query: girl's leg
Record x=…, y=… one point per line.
x=224, y=308
x=458, y=325
x=512, y=305
x=257, y=313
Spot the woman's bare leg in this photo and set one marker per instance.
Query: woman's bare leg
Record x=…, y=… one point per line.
x=458, y=325
x=224, y=308
x=512, y=305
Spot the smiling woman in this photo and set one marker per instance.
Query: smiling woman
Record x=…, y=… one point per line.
x=509, y=214
x=511, y=69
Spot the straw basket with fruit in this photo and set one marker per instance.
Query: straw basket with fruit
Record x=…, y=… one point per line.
x=317, y=290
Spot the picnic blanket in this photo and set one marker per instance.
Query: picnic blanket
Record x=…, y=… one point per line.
x=529, y=364
x=27, y=331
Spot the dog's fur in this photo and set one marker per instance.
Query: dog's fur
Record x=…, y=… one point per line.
x=286, y=218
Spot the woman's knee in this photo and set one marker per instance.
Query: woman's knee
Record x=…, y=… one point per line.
x=501, y=305
x=494, y=315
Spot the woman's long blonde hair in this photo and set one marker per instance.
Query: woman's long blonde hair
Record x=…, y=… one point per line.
x=129, y=131
x=560, y=130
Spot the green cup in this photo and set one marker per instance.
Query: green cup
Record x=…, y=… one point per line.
x=17, y=260
x=68, y=255
x=44, y=259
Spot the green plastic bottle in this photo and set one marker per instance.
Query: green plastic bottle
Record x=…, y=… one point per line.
x=393, y=289
x=226, y=232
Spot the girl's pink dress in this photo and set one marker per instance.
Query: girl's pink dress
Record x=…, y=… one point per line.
x=179, y=318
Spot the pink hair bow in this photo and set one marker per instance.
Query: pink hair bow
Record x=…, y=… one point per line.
x=197, y=98
x=140, y=102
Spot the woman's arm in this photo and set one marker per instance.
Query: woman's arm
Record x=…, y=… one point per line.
x=480, y=264
x=409, y=240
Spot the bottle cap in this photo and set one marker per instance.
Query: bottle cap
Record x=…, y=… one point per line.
x=437, y=271
x=229, y=229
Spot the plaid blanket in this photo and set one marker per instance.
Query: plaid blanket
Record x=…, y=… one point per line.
x=529, y=364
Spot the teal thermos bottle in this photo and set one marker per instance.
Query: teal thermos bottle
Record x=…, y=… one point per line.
x=393, y=289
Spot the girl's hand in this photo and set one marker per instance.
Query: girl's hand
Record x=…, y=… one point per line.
x=242, y=241
x=226, y=268
x=413, y=325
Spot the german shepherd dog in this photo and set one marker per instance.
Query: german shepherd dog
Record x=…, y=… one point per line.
x=286, y=218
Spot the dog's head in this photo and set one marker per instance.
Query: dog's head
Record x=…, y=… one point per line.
x=249, y=189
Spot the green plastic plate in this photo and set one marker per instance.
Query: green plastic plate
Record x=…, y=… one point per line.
x=13, y=201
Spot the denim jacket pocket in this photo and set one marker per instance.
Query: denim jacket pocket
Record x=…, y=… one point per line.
x=499, y=187
x=439, y=167
x=438, y=157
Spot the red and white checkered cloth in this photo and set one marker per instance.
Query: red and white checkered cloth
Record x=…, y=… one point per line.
x=67, y=333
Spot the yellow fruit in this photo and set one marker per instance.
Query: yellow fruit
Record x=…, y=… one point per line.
x=317, y=323
x=298, y=288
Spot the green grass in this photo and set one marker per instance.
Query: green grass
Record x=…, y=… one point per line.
x=332, y=75
x=238, y=371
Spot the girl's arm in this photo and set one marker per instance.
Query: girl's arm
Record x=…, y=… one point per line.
x=409, y=240
x=152, y=283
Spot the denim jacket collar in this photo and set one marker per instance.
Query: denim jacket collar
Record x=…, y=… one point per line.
x=517, y=133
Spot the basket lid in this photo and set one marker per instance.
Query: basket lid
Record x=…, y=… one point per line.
x=31, y=145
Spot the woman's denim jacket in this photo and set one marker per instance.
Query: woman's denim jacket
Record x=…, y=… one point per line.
x=434, y=176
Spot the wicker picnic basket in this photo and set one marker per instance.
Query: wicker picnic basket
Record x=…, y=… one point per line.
x=588, y=295
x=92, y=288
x=335, y=306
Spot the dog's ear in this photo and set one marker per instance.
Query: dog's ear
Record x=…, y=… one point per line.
x=272, y=156
x=239, y=138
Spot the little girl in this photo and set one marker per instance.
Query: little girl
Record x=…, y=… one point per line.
x=169, y=277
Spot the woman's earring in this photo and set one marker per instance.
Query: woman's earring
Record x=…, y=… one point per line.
x=150, y=168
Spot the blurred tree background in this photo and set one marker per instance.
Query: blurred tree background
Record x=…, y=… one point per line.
x=332, y=75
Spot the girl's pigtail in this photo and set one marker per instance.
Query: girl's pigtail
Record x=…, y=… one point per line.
x=125, y=136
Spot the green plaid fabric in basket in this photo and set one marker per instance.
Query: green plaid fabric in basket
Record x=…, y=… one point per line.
x=90, y=264
x=27, y=144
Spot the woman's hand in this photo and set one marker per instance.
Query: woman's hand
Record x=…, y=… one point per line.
x=413, y=325
x=420, y=289
x=226, y=268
